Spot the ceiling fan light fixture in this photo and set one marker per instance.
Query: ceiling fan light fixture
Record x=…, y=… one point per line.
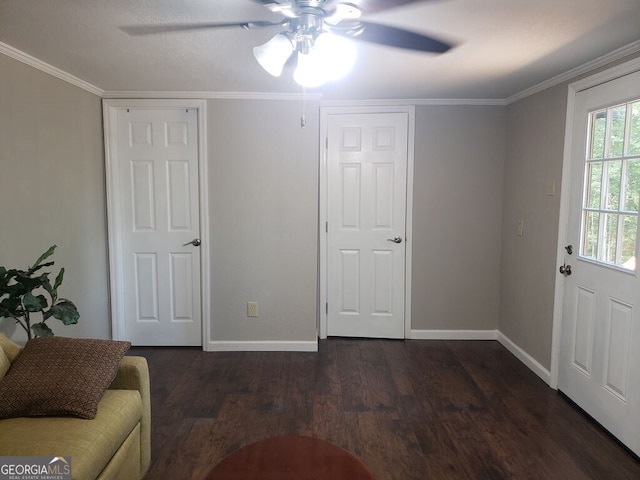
x=307, y=72
x=334, y=54
x=330, y=58
x=273, y=55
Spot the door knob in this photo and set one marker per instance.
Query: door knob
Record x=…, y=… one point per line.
x=195, y=242
x=395, y=239
x=565, y=270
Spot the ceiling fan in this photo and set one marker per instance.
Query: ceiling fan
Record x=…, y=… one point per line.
x=316, y=31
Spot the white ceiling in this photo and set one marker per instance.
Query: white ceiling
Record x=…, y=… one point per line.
x=503, y=46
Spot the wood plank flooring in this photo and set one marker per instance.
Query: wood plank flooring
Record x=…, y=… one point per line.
x=408, y=409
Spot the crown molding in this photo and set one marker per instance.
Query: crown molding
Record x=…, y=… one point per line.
x=585, y=68
x=414, y=101
x=214, y=95
x=16, y=54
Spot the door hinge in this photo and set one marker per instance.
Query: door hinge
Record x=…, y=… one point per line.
x=326, y=227
x=326, y=143
x=326, y=308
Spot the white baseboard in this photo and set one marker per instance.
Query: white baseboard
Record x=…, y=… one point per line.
x=454, y=335
x=518, y=352
x=312, y=346
x=525, y=358
x=266, y=346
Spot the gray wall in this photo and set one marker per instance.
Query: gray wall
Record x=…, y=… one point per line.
x=263, y=187
x=457, y=217
x=535, y=133
x=52, y=189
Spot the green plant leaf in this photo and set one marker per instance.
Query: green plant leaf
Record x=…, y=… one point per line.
x=7, y=279
x=47, y=286
x=10, y=307
x=15, y=291
x=31, y=283
x=58, y=280
x=31, y=271
x=18, y=300
x=45, y=255
x=33, y=303
x=65, y=311
x=41, y=330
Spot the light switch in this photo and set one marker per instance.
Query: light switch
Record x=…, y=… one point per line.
x=550, y=187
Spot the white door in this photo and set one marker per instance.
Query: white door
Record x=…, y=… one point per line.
x=155, y=176
x=366, y=216
x=599, y=365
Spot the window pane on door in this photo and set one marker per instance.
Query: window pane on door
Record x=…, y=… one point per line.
x=594, y=184
x=610, y=238
x=618, y=116
x=614, y=169
x=629, y=229
x=591, y=227
x=598, y=127
x=632, y=186
x=634, y=137
x=611, y=198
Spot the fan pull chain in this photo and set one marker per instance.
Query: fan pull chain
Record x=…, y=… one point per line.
x=303, y=118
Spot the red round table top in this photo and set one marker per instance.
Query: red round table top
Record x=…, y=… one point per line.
x=291, y=457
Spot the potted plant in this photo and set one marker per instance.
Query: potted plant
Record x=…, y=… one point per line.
x=24, y=293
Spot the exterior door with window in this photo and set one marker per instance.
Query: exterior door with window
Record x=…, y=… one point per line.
x=599, y=365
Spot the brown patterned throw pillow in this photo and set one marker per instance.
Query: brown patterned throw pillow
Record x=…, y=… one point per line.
x=60, y=376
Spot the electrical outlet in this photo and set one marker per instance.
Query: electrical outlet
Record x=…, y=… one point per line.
x=252, y=309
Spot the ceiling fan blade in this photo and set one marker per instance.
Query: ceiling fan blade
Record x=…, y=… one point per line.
x=273, y=3
x=374, y=6
x=394, y=37
x=284, y=7
x=137, y=30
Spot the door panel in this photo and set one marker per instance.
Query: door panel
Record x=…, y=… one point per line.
x=146, y=286
x=179, y=195
x=366, y=210
x=584, y=316
x=599, y=364
x=157, y=155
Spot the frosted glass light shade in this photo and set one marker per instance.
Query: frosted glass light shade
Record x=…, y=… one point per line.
x=335, y=54
x=308, y=73
x=273, y=55
x=330, y=59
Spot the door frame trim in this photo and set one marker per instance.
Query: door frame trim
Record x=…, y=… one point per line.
x=573, y=89
x=323, y=201
x=110, y=108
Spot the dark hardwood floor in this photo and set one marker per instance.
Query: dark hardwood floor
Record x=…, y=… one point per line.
x=408, y=409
